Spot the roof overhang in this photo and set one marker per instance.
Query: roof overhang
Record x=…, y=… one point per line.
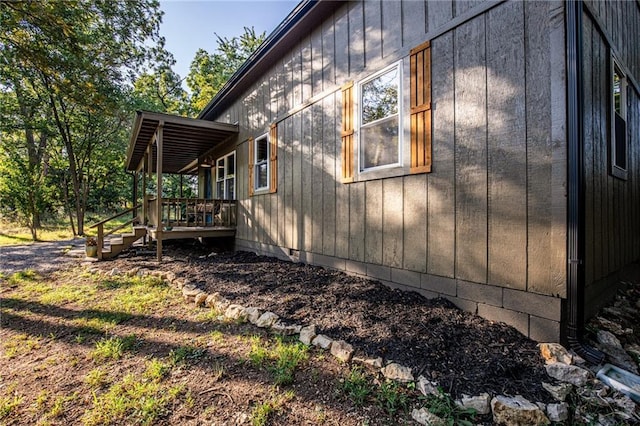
x=184, y=140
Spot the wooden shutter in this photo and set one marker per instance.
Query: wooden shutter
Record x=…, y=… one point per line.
x=421, y=109
x=347, y=133
x=251, y=163
x=273, y=157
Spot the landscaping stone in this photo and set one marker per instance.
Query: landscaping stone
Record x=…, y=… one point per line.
x=373, y=362
x=322, y=341
x=397, y=372
x=558, y=412
x=267, y=319
x=427, y=418
x=558, y=392
x=512, y=411
x=427, y=387
x=221, y=304
x=607, y=338
x=179, y=283
x=235, y=312
x=114, y=272
x=555, y=352
x=341, y=350
x=211, y=300
x=133, y=271
x=568, y=373
x=170, y=276
x=611, y=326
x=481, y=403
x=284, y=329
x=252, y=314
x=200, y=299
x=307, y=334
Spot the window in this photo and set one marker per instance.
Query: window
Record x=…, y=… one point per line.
x=226, y=177
x=261, y=165
x=263, y=162
x=618, y=139
x=379, y=136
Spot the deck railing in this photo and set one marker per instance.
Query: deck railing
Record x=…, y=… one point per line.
x=194, y=212
x=101, y=231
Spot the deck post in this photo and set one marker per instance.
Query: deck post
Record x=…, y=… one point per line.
x=135, y=194
x=160, y=224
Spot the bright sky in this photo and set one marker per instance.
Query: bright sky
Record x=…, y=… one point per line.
x=188, y=25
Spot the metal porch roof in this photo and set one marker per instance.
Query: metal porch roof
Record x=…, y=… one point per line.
x=184, y=140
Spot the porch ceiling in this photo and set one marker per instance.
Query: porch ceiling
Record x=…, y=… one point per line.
x=184, y=140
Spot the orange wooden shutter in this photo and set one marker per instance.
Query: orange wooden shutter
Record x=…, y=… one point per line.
x=347, y=133
x=421, y=109
x=251, y=162
x=273, y=157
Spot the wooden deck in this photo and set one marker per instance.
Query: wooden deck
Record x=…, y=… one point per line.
x=180, y=232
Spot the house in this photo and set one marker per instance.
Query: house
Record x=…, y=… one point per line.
x=483, y=151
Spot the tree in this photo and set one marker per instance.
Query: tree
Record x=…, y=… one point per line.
x=210, y=71
x=79, y=56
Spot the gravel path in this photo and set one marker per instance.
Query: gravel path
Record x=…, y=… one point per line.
x=43, y=257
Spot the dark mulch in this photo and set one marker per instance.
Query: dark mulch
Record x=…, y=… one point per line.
x=462, y=352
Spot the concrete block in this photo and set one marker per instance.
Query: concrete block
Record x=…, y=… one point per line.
x=329, y=262
x=536, y=304
x=403, y=276
x=358, y=268
x=379, y=272
x=518, y=320
x=481, y=293
x=442, y=285
x=544, y=330
x=464, y=304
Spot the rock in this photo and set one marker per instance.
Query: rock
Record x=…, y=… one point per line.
x=133, y=271
x=200, y=299
x=427, y=387
x=516, y=411
x=607, y=338
x=558, y=412
x=267, y=319
x=284, y=329
x=555, y=352
x=252, y=314
x=625, y=403
x=611, y=326
x=373, y=362
x=114, y=272
x=620, y=357
x=221, y=304
x=179, y=283
x=427, y=418
x=568, y=373
x=170, y=276
x=398, y=372
x=558, y=392
x=142, y=272
x=211, y=300
x=190, y=290
x=481, y=403
x=307, y=334
x=235, y=312
x=341, y=350
x=322, y=341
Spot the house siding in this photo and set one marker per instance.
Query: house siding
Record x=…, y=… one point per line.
x=489, y=219
x=612, y=210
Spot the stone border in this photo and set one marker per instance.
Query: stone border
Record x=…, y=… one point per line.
x=565, y=367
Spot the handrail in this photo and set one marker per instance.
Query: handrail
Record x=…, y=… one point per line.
x=122, y=213
x=124, y=225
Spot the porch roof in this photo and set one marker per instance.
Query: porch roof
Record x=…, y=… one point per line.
x=184, y=140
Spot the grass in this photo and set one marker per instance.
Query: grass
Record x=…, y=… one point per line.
x=186, y=355
x=97, y=378
x=13, y=234
x=113, y=347
x=281, y=359
x=20, y=344
x=357, y=386
x=263, y=412
x=8, y=404
x=443, y=406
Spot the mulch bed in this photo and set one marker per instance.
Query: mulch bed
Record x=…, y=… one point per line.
x=461, y=351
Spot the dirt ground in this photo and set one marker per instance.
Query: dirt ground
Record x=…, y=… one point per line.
x=462, y=352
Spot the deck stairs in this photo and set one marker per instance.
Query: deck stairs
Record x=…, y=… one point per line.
x=117, y=243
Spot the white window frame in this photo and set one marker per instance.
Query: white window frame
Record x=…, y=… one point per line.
x=615, y=169
x=226, y=176
x=257, y=188
x=358, y=105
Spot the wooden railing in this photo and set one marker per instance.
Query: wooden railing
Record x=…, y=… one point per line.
x=193, y=212
x=100, y=225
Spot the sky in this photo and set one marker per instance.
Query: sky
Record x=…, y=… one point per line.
x=188, y=25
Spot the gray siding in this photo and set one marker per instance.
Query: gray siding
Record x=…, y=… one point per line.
x=612, y=210
x=489, y=219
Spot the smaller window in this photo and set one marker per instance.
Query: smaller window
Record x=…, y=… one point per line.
x=380, y=119
x=618, y=145
x=225, y=177
x=261, y=164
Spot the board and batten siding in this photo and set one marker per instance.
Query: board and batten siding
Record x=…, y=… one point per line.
x=486, y=228
x=612, y=207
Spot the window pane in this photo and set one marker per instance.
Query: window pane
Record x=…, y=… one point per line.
x=231, y=164
x=220, y=168
x=261, y=150
x=621, y=142
x=261, y=175
x=380, y=143
x=231, y=189
x=220, y=189
x=380, y=97
x=617, y=95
